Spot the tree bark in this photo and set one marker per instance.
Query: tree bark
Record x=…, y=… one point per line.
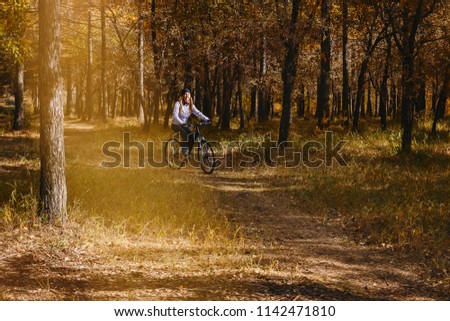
x=289, y=72
x=383, y=86
x=421, y=101
x=262, y=103
x=301, y=102
x=89, y=89
x=239, y=98
x=19, y=111
x=359, y=93
x=369, y=99
x=141, y=98
x=53, y=191
x=442, y=101
x=323, y=99
x=345, y=82
x=104, y=106
x=157, y=67
x=227, y=93
x=206, y=91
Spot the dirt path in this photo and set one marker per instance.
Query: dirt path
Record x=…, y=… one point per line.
x=314, y=259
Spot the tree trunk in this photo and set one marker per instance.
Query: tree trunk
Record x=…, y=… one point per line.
x=407, y=102
x=239, y=98
x=345, y=82
x=79, y=97
x=141, y=98
x=383, y=86
x=421, y=101
x=157, y=67
x=19, y=111
x=323, y=99
x=115, y=99
x=442, y=102
x=227, y=93
x=359, y=94
x=206, y=91
x=69, y=90
x=170, y=100
x=262, y=104
x=53, y=192
x=104, y=106
x=288, y=73
x=434, y=97
x=89, y=89
x=301, y=102
x=363, y=100
x=369, y=99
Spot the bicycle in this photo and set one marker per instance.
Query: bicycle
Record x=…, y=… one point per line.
x=173, y=151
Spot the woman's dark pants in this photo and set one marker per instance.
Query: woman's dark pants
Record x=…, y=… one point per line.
x=187, y=137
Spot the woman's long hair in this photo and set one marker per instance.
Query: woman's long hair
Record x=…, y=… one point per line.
x=191, y=105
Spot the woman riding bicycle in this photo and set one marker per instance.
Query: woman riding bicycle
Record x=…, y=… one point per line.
x=182, y=110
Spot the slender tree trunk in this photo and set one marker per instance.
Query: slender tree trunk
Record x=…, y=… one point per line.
x=308, y=103
x=434, y=97
x=89, y=85
x=369, y=99
x=323, y=95
x=218, y=95
x=262, y=104
x=227, y=93
x=157, y=67
x=442, y=102
x=115, y=98
x=253, y=92
x=104, y=106
x=53, y=192
x=288, y=73
x=19, y=111
x=359, y=94
x=69, y=90
x=393, y=103
x=421, y=101
x=345, y=82
x=301, y=102
x=206, y=91
x=35, y=98
x=141, y=97
x=407, y=102
x=79, y=97
x=239, y=93
x=384, y=86
x=363, y=101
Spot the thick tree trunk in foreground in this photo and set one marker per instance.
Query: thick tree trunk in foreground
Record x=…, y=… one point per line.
x=53, y=192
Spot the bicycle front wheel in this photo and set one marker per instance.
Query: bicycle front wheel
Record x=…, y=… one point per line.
x=207, y=158
x=172, y=153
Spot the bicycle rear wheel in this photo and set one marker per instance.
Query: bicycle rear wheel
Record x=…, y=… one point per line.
x=172, y=153
x=207, y=158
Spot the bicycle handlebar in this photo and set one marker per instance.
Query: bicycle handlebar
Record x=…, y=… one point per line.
x=203, y=123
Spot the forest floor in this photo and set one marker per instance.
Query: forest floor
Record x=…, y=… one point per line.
x=277, y=247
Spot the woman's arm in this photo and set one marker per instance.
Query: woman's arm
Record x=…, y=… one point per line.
x=197, y=113
x=176, y=114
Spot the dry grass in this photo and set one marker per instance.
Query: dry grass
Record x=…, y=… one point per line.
x=188, y=230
